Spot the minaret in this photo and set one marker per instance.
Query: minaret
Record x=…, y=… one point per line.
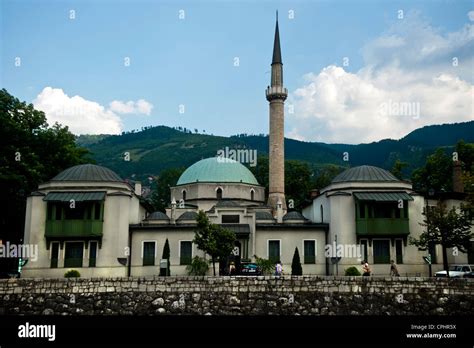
x=276, y=95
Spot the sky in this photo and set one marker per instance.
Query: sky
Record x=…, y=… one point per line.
x=356, y=71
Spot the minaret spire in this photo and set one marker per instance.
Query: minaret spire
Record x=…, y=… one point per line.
x=276, y=95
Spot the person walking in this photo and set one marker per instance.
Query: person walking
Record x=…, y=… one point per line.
x=278, y=269
x=365, y=268
x=393, y=269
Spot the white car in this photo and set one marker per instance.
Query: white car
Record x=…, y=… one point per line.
x=456, y=271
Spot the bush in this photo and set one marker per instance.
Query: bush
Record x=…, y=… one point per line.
x=266, y=266
x=72, y=274
x=198, y=267
x=352, y=271
x=296, y=268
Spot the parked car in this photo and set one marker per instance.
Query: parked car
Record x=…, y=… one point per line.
x=250, y=269
x=469, y=275
x=456, y=271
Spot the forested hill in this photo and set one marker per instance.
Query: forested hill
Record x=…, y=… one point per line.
x=156, y=148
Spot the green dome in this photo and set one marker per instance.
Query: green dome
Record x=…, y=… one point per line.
x=216, y=169
x=87, y=172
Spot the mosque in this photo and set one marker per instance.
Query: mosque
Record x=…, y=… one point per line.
x=89, y=219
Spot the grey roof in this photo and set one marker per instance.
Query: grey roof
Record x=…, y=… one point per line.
x=383, y=196
x=365, y=173
x=158, y=215
x=87, y=172
x=276, y=46
x=189, y=215
x=263, y=215
x=84, y=196
x=293, y=215
x=225, y=203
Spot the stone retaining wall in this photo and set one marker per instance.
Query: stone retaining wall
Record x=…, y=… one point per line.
x=236, y=296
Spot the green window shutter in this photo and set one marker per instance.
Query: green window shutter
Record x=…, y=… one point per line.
x=149, y=253
x=274, y=250
x=399, y=251
x=381, y=251
x=92, y=254
x=186, y=253
x=309, y=252
x=54, y=255
x=73, y=254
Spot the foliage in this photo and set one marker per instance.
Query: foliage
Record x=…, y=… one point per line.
x=436, y=174
x=31, y=152
x=449, y=228
x=325, y=175
x=266, y=266
x=397, y=169
x=166, y=255
x=213, y=239
x=72, y=273
x=296, y=268
x=198, y=267
x=352, y=271
x=161, y=192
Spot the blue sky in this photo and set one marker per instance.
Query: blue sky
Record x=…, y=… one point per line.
x=190, y=62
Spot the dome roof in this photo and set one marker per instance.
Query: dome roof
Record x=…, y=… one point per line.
x=365, y=173
x=217, y=169
x=157, y=215
x=189, y=215
x=293, y=215
x=263, y=215
x=87, y=172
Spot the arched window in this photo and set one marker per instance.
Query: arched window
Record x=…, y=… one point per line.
x=252, y=194
x=219, y=193
x=184, y=195
x=322, y=213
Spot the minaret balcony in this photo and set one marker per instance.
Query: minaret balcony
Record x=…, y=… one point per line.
x=276, y=92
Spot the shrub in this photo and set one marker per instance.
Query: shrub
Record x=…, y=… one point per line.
x=296, y=268
x=72, y=273
x=266, y=266
x=352, y=271
x=198, y=267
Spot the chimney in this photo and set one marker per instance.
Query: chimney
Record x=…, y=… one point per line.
x=138, y=188
x=173, y=211
x=457, y=177
x=279, y=213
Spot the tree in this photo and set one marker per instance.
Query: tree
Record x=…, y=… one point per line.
x=397, y=169
x=31, y=152
x=325, y=175
x=296, y=268
x=161, y=194
x=166, y=255
x=449, y=228
x=213, y=239
x=437, y=174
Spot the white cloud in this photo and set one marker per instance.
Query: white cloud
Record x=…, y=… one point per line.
x=470, y=14
x=141, y=106
x=409, y=80
x=80, y=115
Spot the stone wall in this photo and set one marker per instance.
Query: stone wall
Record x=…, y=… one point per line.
x=236, y=296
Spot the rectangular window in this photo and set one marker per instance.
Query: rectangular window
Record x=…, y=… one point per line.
x=73, y=254
x=92, y=254
x=309, y=251
x=185, y=253
x=362, y=210
x=381, y=251
x=274, y=250
x=59, y=209
x=230, y=219
x=365, y=249
x=399, y=250
x=149, y=253
x=470, y=254
x=74, y=211
x=432, y=252
x=54, y=255
x=49, y=214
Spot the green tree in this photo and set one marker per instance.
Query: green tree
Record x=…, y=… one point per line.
x=296, y=268
x=449, y=228
x=436, y=174
x=31, y=152
x=198, y=267
x=213, y=239
x=166, y=255
x=161, y=193
x=397, y=169
x=266, y=266
x=325, y=175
